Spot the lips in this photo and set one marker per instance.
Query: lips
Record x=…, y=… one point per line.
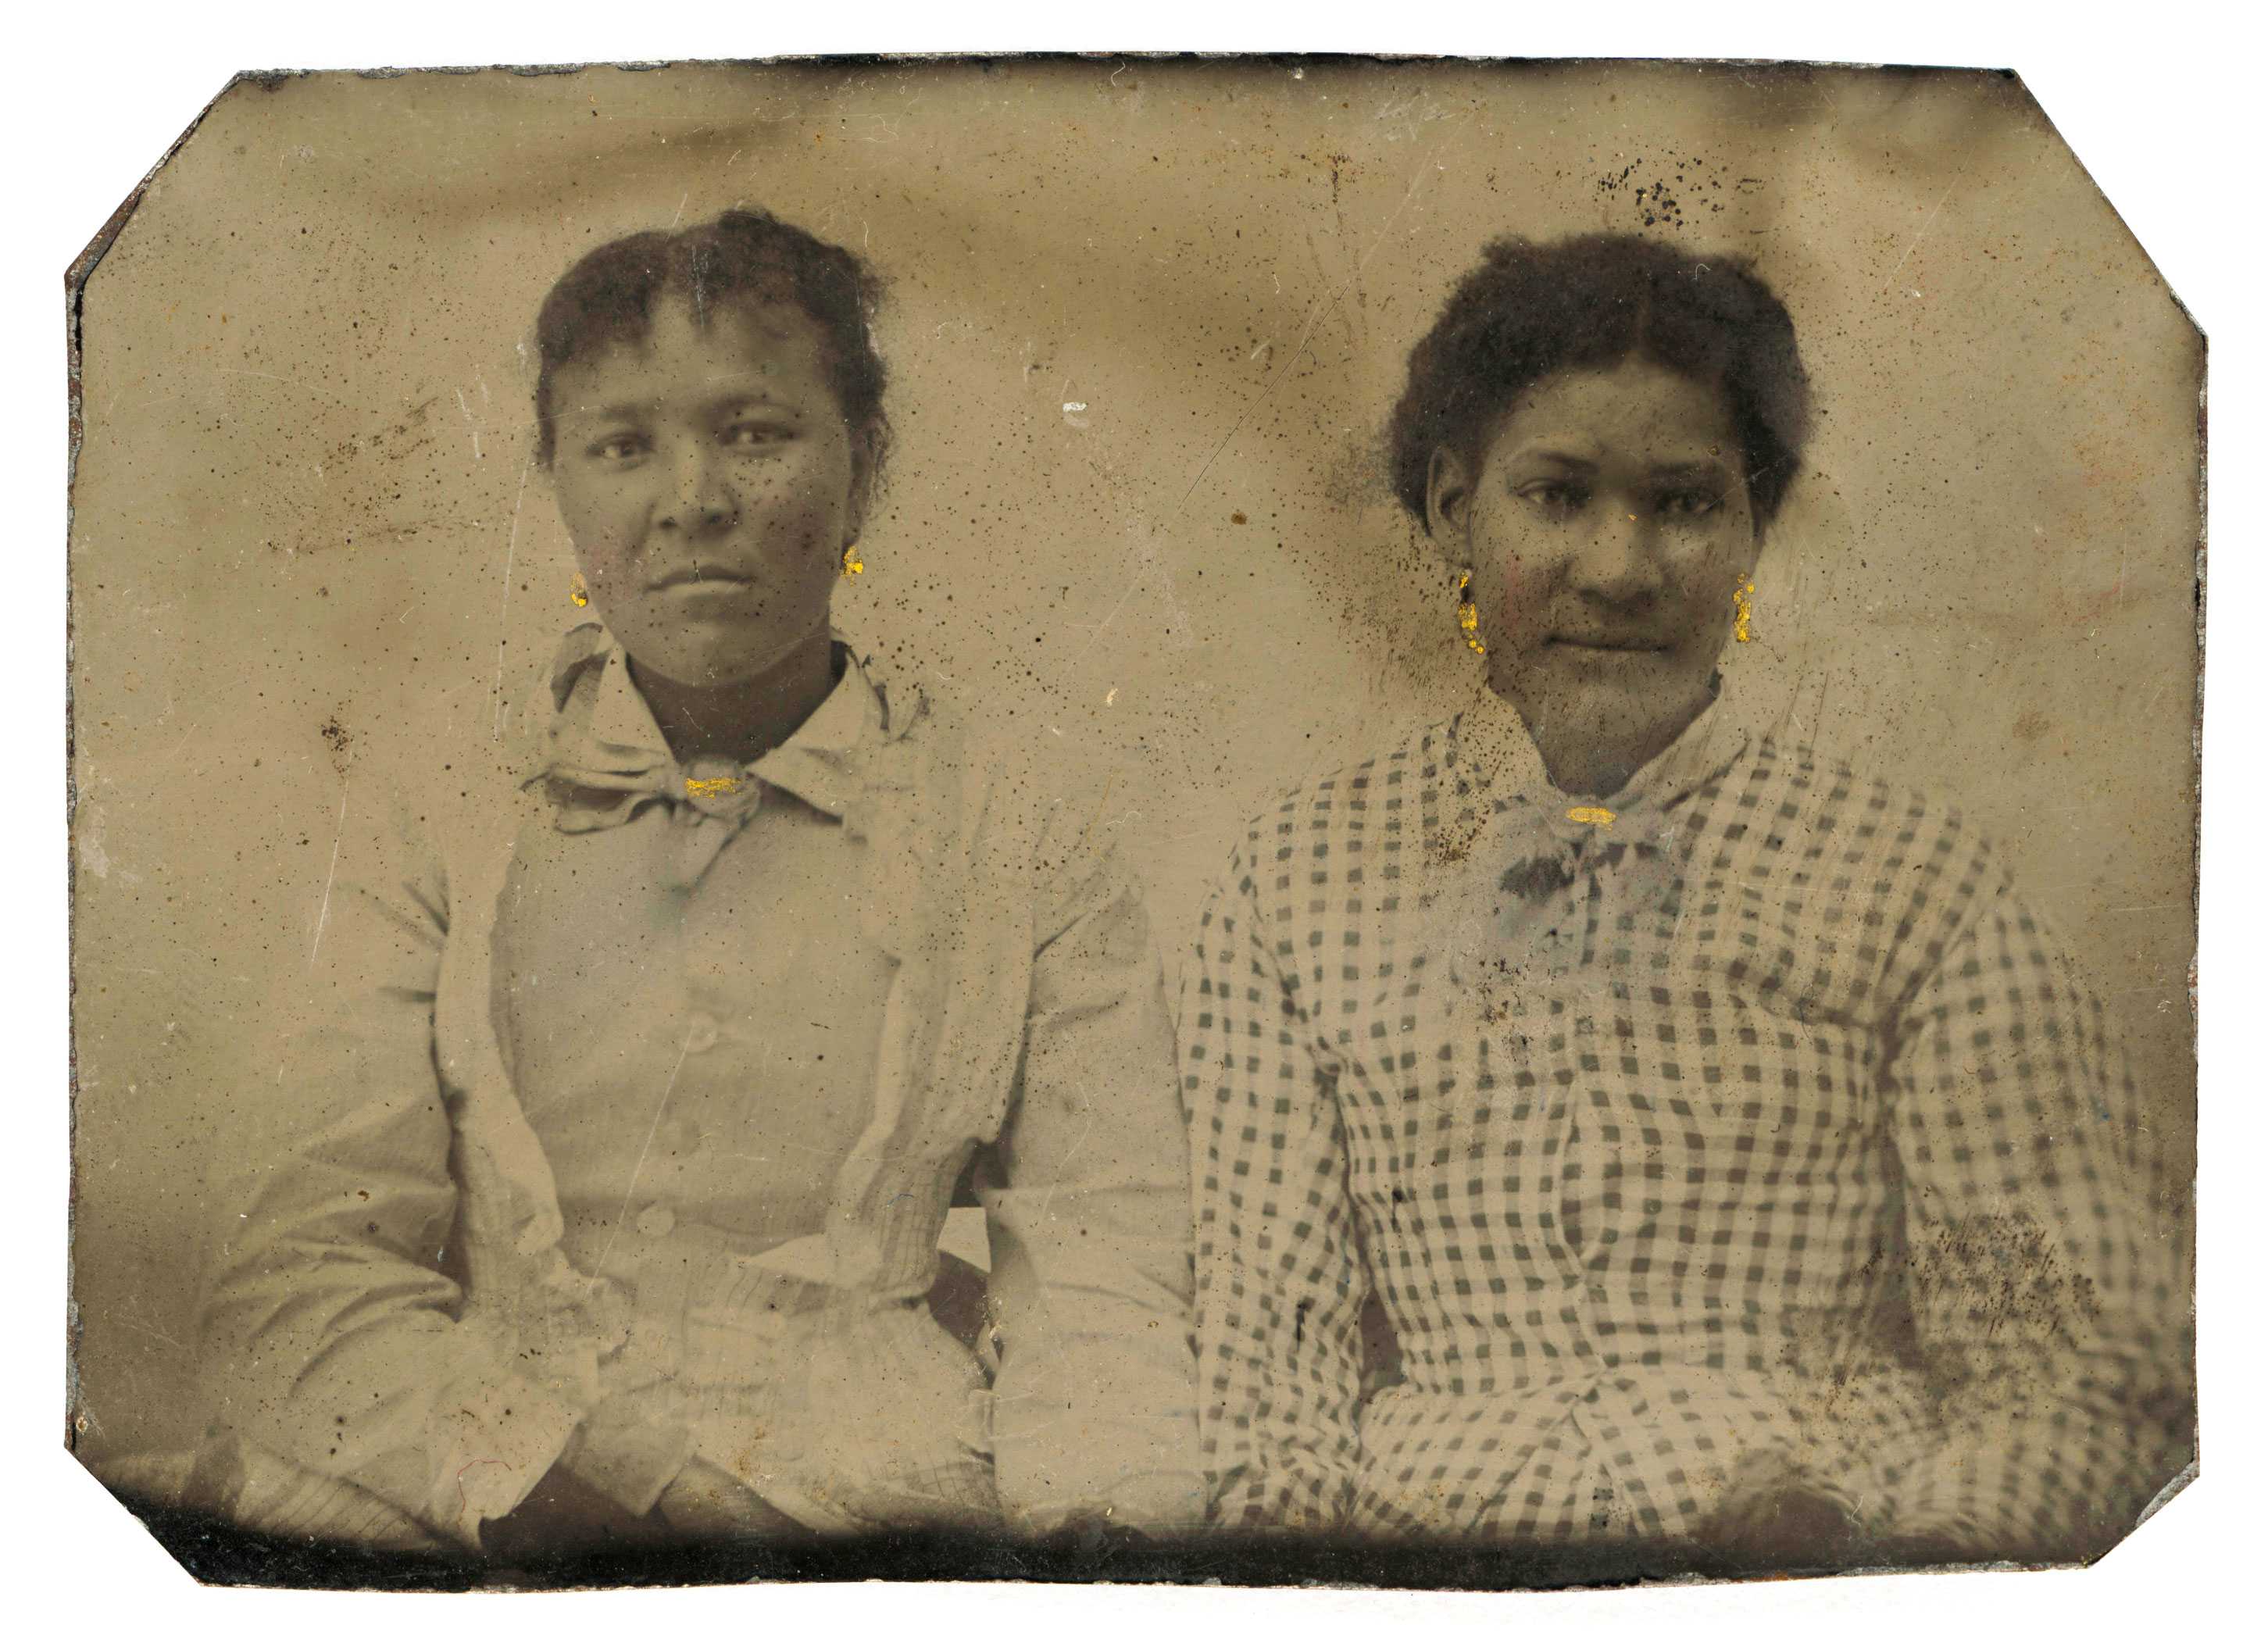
x=1614, y=643
x=696, y=576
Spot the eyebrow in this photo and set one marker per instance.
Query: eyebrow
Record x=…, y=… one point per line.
x=633, y=411
x=1707, y=468
x=1562, y=459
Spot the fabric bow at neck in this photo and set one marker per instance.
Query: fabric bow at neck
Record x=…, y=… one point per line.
x=1521, y=856
x=602, y=760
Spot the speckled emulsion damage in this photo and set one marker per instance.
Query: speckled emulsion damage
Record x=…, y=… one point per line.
x=1271, y=819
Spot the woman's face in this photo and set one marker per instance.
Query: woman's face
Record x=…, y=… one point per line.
x=710, y=487
x=1606, y=529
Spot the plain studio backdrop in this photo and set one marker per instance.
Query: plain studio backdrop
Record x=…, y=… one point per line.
x=1146, y=322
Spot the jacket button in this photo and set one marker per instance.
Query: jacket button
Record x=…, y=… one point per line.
x=656, y=1220
x=700, y=1033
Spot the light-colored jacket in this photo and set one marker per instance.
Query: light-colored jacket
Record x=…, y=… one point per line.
x=378, y=1375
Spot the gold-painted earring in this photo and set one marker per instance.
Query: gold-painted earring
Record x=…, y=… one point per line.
x=577, y=591
x=1469, y=616
x=1743, y=608
x=852, y=564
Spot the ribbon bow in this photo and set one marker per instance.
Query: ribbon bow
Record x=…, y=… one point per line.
x=1551, y=844
x=708, y=799
x=597, y=781
x=1514, y=846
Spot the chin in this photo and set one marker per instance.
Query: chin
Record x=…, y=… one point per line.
x=1625, y=698
x=724, y=655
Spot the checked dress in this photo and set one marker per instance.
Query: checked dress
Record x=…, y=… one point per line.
x=1747, y=1123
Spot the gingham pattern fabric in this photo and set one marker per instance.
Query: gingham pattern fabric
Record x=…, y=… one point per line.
x=1764, y=1130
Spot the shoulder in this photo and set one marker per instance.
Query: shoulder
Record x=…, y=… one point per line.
x=1805, y=803
x=954, y=783
x=1017, y=822
x=1354, y=819
x=1895, y=873
x=931, y=740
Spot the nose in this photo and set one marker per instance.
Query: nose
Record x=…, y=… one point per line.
x=697, y=500
x=1618, y=561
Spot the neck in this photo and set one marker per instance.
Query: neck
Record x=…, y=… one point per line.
x=1596, y=756
x=1590, y=772
x=746, y=719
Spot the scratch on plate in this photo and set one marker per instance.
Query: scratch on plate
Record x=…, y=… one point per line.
x=1098, y=803
x=631, y=1191
x=1306, y=331
x=323, y=913
x=1917, y=239
x=503, y=598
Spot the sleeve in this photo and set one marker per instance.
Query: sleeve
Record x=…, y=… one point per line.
x=1280, y=1284
x=332, y=1333
x=2043, y=1267
x=632, y=1446
x=1087, y=1198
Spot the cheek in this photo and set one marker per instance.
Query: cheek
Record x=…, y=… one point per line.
x=809, y=508
x=1515, y=565
x=806, y=492
x=1512, y=592
x=601, y=525
x=1714, y=575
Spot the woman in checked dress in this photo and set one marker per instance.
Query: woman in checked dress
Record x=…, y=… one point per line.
x=1734, y=1152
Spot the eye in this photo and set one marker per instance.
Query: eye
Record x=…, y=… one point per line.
x=1690, y=503
x=618, y=447
x=754, y=433
x=1556, y=495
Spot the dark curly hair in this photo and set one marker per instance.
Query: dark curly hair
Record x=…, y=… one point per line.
x=609, y=297
x=1587, y=304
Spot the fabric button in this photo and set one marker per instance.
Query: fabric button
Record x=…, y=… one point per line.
x=656, y=1220
x=700, y=1033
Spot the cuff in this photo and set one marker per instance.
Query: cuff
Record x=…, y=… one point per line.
x=627, y=1454
x=889, y=1214
x=493, y=1445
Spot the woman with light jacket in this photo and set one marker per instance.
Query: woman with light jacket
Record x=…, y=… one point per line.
x=601, y=1201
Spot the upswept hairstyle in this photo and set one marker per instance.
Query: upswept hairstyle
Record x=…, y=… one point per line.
x=609, y=297
x=1530, y=311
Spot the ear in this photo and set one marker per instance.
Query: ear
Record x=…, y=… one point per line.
x=1756, y=542
x=867, y=444
x=1756, y=553
x=1449, y=501
x=550, y=471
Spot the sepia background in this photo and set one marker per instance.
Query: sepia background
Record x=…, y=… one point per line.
x=1146, y=320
